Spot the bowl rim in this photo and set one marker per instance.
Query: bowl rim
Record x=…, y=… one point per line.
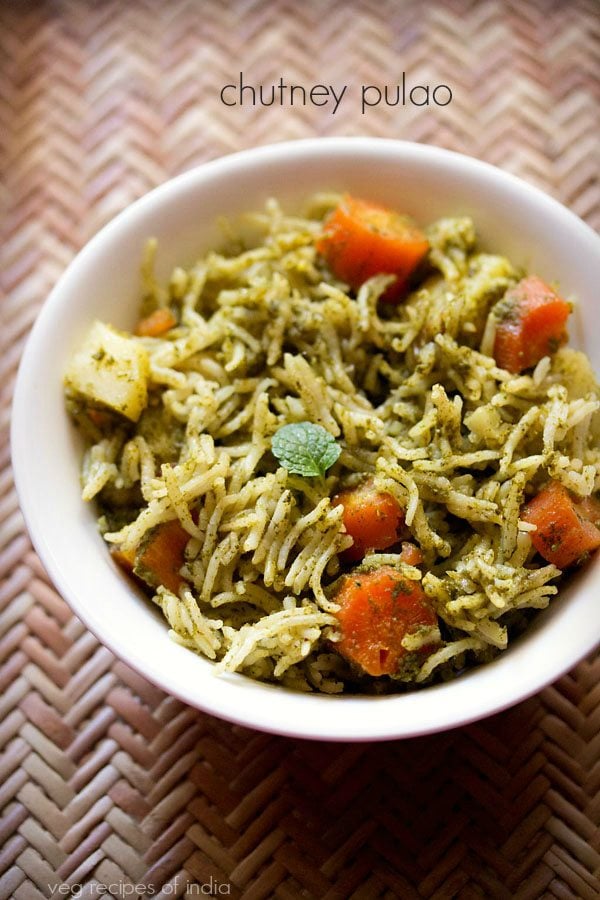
x=228, y=706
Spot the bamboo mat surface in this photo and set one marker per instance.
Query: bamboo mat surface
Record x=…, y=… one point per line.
x=107, y=784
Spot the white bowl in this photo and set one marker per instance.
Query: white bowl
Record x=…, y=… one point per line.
x=512, y=218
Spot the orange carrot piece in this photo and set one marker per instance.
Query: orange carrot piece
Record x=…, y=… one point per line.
x=98, y=417
x=410, y=554
x=378, y=610
x=532, y=324
x=362, y=239
x=564, y=531
x=372, y=518
x=161, y=556
x=156, y=323
x=125, y=560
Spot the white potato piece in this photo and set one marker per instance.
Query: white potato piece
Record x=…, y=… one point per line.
x=111, y=369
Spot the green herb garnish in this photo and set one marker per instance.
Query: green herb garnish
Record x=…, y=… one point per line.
x=305, y=449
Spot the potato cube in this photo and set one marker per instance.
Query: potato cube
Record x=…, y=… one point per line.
x=112, y=370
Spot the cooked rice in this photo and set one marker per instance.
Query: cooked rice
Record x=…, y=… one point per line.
x=266, y=337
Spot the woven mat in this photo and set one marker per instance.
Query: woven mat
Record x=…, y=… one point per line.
x=108, y=784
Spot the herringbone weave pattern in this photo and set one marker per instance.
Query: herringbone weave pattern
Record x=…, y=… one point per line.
x=107, y=782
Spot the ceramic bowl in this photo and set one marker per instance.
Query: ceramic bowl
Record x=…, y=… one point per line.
x=512, y=218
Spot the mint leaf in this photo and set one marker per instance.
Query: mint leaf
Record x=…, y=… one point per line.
x=305, y=449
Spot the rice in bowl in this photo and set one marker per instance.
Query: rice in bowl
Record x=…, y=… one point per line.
x=180, y=430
